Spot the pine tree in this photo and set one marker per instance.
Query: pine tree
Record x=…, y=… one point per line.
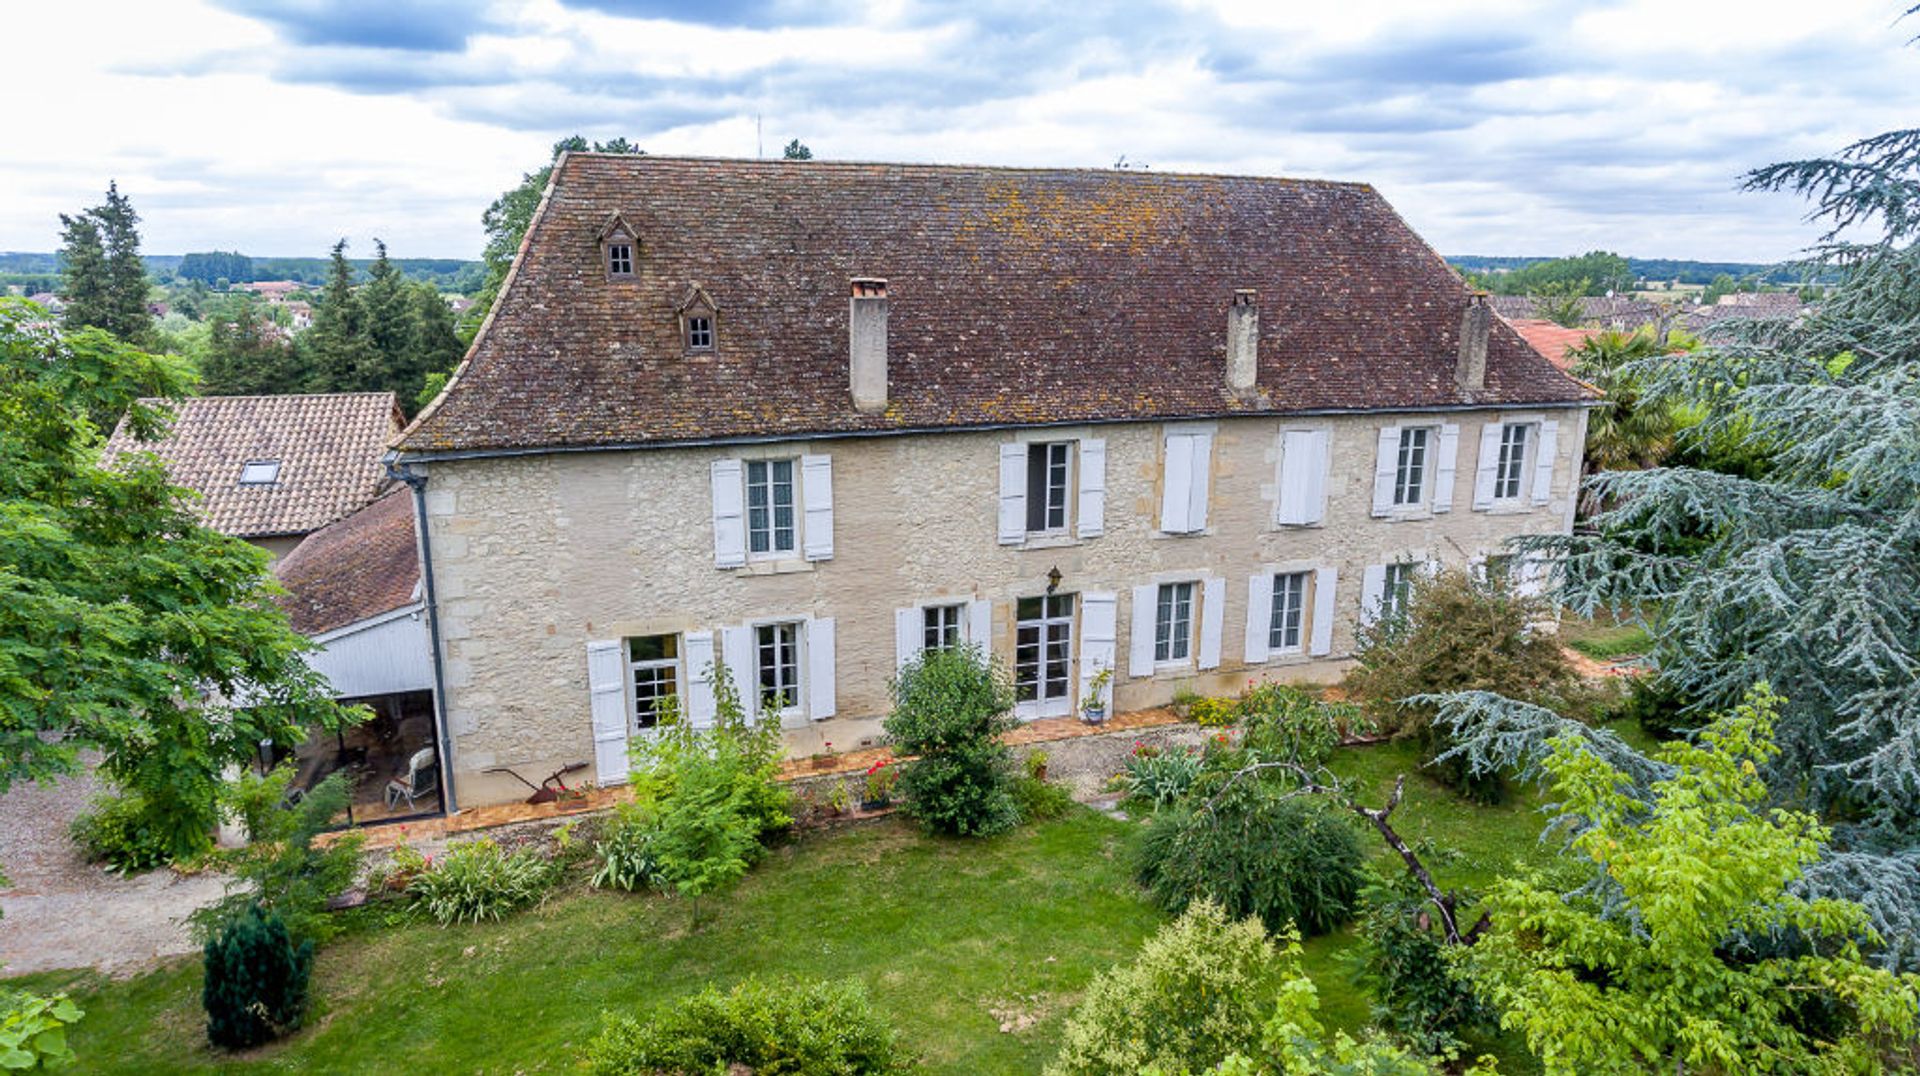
x=127, y=315
x=335, y=349
x=83, y=270
x=247, y=355
x=389, y=322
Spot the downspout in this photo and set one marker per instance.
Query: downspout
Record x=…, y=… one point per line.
x=417, y=481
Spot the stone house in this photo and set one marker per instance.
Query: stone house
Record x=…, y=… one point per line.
x=800, y=420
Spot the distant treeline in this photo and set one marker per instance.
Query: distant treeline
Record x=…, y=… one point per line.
x=1686, y=272
x=447, y=274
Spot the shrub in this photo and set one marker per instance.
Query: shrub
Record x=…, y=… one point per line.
x=1664, y=710
x=281, y=869
x=256, y=980
x=625, y=852
x=1286, y=723
x=117, y=830
x=33, y=1030
x=1462, y=634
x=1197, y=993
x=1213, y=712
x=1257, y=851
x=950, y=708
x=1159, y=778
x=1038, y=799
x=784, y=1026
x=475, y=880
x=1403, y=965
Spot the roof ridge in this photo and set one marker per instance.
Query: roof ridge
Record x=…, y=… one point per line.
x=943, y=166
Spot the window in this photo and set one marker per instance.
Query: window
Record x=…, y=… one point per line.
x=1047, y=479
x=620, y=259
x=1289, y=610
x=777, y=648
x=1397, y=589
x=1410, y=477
x=699, y=333
x=260, y=473
x=1043, y=653
x=1173, y=623
x=1513, y=460
x=770, y=507
x=941, y=626
x=653, y=662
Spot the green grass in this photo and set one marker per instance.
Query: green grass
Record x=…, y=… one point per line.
x=943, y=932
x=1604, y=638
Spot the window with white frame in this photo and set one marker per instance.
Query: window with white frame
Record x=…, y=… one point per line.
x=777, y=654
x=1397, y=589
x=1509, y=474
x=770, y=508
x=620, y=259
x=941, y=626
x=699, y=332
x=1410, y=473
x=260, y=473
x=1173, y=623
x=653, y=664
x=1289, y=617
x=1049, y=474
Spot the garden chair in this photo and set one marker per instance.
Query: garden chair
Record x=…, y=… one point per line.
x=416, y=782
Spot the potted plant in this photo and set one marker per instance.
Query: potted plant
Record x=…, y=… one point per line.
x=1093, y=708
x=881, y=777
x=839, y=799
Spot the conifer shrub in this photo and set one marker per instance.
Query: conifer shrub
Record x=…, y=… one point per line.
x=256, y=980
x=950, y=708
x=1198, y=993
x=1256, y=851
x=789, y=1026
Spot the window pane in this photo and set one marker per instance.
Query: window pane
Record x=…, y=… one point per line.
x=1410, y=480
x=655, y=647
x=1036, y=487
x=1057, y=455
x=1173, y=622
x=1029, y=608
x=1289, y=606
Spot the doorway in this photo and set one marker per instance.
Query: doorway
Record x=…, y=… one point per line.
x=1043, y=656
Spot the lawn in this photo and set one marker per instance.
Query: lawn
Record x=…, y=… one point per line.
x=952, y=938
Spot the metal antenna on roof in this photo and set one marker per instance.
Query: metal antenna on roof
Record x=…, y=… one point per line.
x=759, y=147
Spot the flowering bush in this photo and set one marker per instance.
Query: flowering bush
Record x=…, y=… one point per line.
x=1213, y=712
x=881, y=777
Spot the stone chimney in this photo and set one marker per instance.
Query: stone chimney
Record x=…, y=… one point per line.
x=1470, y=373
x=1243, y=342
x=867, y=344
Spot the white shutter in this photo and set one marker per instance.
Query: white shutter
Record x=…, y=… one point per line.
x=1013, y=494
x=1326, y=582
x=816, y=495
x=1386, y=464
x=1487, y=468
x=909, y=634
x=1099, y=628
x=1259, y=617
x=1176, y=494
x=1303, y=478
x=1213, y=620
x=1140, y=635
x=1373, y=587
x=1202, y=481
x=980, y=626
x=1543, y=454
x=821, y=700
x=607, y=692
x=700, y=701
x=736, y=648
x=1443, y=475
x=729, y=515
x=1092, y=520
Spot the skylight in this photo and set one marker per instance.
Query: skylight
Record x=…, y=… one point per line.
x=260, y=473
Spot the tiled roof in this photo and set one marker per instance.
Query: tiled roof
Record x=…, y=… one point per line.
x=1016, y=297
x=353, y=569
x=328, y=448
x=1551, y=340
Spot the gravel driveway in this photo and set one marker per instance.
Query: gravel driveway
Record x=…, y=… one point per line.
x=63, y=912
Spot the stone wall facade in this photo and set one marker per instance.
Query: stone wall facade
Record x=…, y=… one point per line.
x=534, y=556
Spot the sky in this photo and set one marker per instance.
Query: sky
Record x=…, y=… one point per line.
x=277, y=126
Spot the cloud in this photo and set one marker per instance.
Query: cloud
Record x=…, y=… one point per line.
x=420, y=25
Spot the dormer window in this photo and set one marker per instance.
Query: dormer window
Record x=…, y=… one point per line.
x=699, y=332
x=619, y=247
x=260, y=473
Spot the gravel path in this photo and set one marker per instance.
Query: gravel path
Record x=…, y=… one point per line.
x=65, y=913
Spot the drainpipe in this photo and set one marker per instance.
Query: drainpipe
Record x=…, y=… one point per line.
x=417, y=481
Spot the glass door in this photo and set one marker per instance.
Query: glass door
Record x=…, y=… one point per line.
x=1043, y=656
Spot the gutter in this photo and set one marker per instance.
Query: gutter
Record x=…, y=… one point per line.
x=417, y=481
x=399, y=457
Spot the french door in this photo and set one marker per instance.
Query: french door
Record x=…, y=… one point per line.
x=1043, y=656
